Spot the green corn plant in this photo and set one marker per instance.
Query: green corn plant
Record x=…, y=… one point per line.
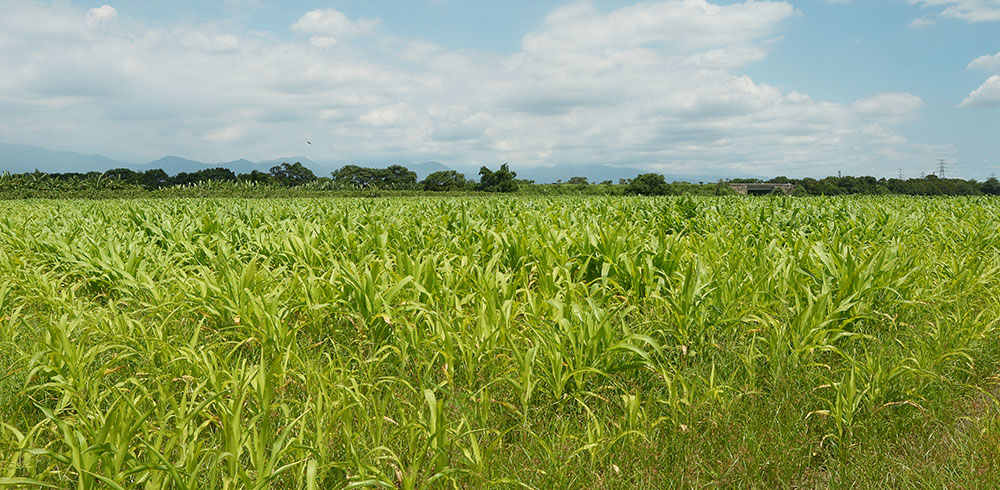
x=473, y=342
x=844, y=406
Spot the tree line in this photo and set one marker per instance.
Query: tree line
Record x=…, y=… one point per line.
x=931, y=185
x=502, y=180
x=286, y=175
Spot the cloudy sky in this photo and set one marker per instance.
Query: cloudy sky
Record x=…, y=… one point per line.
x=730, y=88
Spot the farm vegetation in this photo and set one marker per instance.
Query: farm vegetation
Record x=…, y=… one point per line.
x=296, y=180
x=499, y=342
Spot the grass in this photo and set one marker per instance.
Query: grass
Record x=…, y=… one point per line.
x=500, y=343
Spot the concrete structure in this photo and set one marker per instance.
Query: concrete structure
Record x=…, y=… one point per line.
x=761, y=189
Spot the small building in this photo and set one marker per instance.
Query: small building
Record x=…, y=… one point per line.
x=761, y=189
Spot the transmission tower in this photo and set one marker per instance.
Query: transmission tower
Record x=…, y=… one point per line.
x=899, y=174
x=942, y=163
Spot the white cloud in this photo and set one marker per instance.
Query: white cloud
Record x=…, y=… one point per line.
x=670, y=25
x=659, y=84
x=323, y=41
x=986, y=96
x=986, y=62
x=329, y=25
x=921, y=23
x=226, y=134
x=967, y=10
x=889, y=107
x=100, y=15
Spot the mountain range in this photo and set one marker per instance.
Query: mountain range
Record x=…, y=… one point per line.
x=22, y=158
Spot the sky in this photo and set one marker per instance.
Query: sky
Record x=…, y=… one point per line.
x=727, y=88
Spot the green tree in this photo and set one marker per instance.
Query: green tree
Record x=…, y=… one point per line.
x=723, y=189
x=393, y=177
x=154, y=179
x=397, y=177
x=352, y=175
x=648, y=185
x=255, y=176
x=291, y=175
x=218, y=174
x=122, y=175
x=444, y=180
x=500, y=181
x=991, y=187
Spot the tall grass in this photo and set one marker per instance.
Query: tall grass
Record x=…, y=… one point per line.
x=499, y=342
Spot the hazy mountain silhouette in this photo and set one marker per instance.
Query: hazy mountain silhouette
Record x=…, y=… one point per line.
x=24, y=158
x=594, y=173
x=425, y=168
x=172, y=165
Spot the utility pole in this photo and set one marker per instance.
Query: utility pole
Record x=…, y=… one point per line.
x=941, y=167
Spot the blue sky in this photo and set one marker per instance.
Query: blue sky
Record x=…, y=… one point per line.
x=798, y=88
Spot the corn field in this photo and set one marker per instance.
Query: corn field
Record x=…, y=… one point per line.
x=499, y=343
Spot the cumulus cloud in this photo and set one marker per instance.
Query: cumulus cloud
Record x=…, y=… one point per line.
x=669, y=25
x=889, y=107
x=658, y=85
x=100, y=15
x=329, y=25
x=967, y=10
x=987, y=95
x=986, y=62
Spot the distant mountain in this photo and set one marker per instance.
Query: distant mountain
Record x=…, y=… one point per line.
x=594, y=173
x=241, y=166
x=426, y=168
x=23, y=158
x=172, y=165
